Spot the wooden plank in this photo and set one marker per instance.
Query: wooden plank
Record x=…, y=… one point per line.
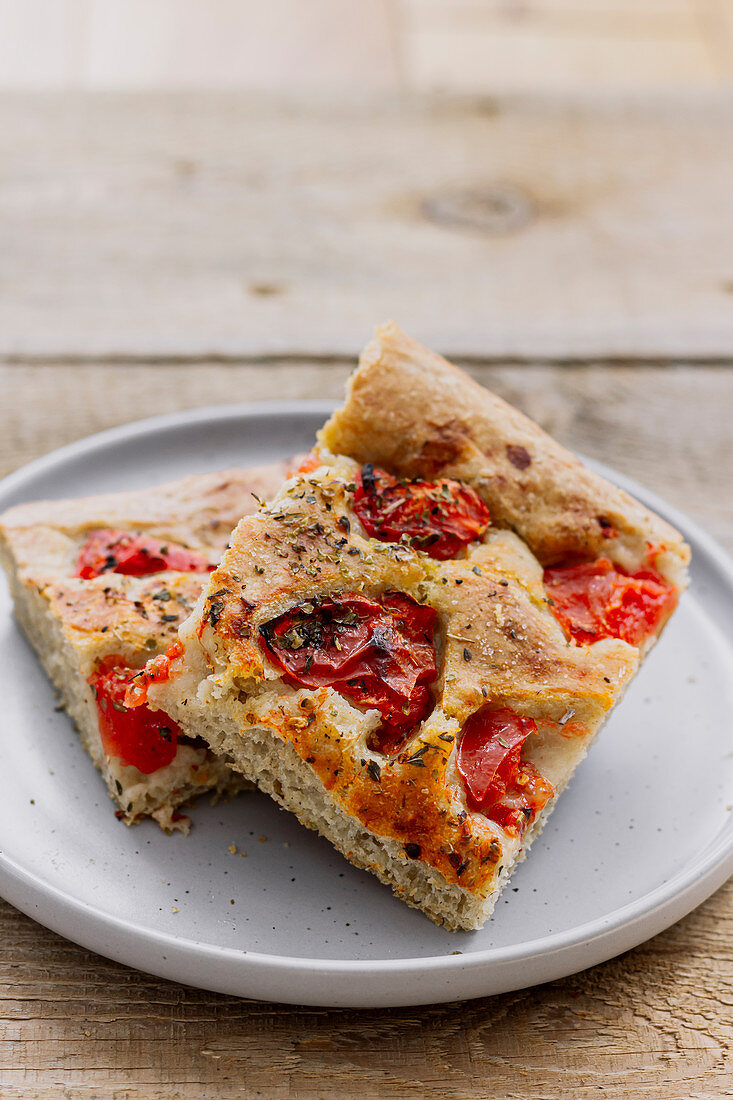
x=654, y=1023
x=668, y=428
x=221, y=225
x=42, y=45
x=210, y=44
x=474, y=46
x=471, y=46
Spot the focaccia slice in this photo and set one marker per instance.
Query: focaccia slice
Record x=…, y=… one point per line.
x=414, y=644
x=93, y=625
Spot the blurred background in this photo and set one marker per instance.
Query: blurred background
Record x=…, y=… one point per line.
x=504, y=177
x=207, y=200
x=468, y=46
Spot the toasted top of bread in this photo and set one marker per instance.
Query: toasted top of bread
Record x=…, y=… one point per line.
x=135, y=616
x=414, y=413
x=498, y=642
x=199, y=512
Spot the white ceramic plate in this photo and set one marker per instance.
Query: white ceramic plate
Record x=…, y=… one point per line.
x=642, y=836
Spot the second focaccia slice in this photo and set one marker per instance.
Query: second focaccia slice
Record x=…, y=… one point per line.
x=100, y=585
x=413, y=645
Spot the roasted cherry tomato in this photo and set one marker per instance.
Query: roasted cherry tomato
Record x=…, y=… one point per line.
x=141, y=737
x=380, y=655
x=439, y=517
x=109, y=551
x=599, y=600
x=499, y=783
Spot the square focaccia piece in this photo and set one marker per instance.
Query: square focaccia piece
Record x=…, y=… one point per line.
x=414, y=644
x=100, y=585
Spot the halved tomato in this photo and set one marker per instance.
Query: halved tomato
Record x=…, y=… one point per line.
x=507, y=789
x=110, y=551
x=379, y=654
x=439, y=517
x=598, y=599
x=146, y=739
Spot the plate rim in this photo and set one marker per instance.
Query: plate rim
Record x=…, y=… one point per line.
x=617, y=931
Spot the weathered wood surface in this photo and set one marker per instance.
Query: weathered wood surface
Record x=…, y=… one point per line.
x=475, y=46
x=540, y=45
x=669, y=428
x=192, y=226
x=655, y=1023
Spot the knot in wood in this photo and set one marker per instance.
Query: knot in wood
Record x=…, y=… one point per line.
x=497, y=209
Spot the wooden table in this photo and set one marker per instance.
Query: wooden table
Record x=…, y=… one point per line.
x=150, y=264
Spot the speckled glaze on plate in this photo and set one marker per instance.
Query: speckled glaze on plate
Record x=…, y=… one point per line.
x=643, y=834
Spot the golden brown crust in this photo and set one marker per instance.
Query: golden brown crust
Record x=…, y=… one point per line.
x=138, y=615
x=134, y=617
x=199, y=512
x=309, y=542
x=412, y=412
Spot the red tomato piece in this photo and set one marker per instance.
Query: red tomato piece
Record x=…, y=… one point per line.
x=499, y=784
x=156, y=671
x=380, y=655
x=439, y=517
x=307, y=464
x=143, y=738
x=599, y=600
x=109, y=551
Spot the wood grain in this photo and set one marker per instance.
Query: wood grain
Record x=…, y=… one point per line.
x=475, y=46
x=202, y=225
x=669, y=428
x=479, y=47
x=655, y=1023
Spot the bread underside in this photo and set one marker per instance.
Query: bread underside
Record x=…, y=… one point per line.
x=277, y=769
